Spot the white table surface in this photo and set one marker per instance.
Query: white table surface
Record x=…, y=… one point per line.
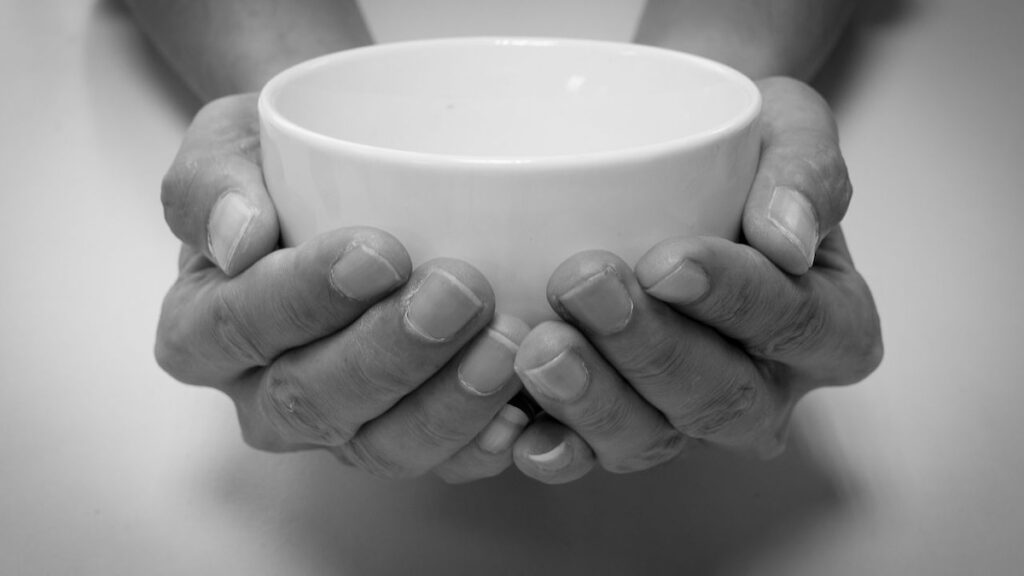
x=107, y=466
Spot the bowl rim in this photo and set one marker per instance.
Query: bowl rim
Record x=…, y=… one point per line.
x=269, y=113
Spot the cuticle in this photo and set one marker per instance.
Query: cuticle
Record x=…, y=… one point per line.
x=572, y=354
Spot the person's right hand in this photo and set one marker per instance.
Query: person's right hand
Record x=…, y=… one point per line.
x=337, y=343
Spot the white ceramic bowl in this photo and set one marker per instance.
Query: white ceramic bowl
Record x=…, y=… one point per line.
x=511, y=153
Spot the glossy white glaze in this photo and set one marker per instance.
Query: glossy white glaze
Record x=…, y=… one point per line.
x=512, y=154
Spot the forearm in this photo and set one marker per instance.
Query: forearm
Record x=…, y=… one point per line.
x=223, y=47
x=759, y=37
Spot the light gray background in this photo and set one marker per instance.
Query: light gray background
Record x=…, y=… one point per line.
x=109, y=467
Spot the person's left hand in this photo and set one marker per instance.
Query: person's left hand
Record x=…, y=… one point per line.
x=707, y=339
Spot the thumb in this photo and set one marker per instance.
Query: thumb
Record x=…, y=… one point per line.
x=802, y=189
x=213, y=195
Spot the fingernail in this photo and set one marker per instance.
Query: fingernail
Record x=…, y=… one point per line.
x=440, y=306
x=601, y=302
x=488, y=364
x=229, y=221
x=684, y=284
x=793, y=215
x=502, y=431
x=361, y=273
x=554, y=459
x=563, y=378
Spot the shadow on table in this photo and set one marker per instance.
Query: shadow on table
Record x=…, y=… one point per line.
x=712, y=513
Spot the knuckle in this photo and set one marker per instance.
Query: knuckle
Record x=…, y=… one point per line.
x=233, y=335
x=865, y=353
x=607, y=417
x=834, y=178
x=170, y=354
x=175, y=191
x=433, y=430
x=257, y=435
x=173, y=348
x=871, y=358
x=289, y=407
x=373, y=371
x=742, y=303
x=799, y=328
x=663, y=449
x=303, y=316
x=171, y=357
x=822, y=171
x=871, y=349
x=719, y=411
x=657, y=363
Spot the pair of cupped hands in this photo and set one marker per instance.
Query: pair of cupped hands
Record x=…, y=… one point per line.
x=341, y=344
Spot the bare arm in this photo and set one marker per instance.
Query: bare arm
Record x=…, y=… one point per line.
x=228, y=46
x=759, y=37
x=224, y=47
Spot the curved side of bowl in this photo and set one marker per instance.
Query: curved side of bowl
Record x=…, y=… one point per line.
x=514, y=219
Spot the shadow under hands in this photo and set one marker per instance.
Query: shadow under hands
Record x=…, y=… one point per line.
x=711, y=513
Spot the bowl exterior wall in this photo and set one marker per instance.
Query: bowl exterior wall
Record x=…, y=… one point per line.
x=514, y=221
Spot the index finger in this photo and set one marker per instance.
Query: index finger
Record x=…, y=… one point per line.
x=214, y=196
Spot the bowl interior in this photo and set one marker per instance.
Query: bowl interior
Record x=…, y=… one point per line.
x=512, y=97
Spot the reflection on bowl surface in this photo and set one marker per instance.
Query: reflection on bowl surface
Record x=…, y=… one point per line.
x=512, y=97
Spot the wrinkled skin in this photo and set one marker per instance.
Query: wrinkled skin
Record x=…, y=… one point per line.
x=340, y=344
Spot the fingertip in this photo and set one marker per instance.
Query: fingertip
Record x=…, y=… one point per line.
x=213, y=194
x=791, y=251
x=597, y=291
x=241, y=230
x=673, y=271
x=511, y=327
x=447, y=299
x=383, y=243
x=802, y=189
x=365, y=264
x=464, y=273
x=579, y=267
x=551, y=453
x=503, y=430
x=544, y=342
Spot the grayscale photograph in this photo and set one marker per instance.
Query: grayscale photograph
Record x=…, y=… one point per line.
x=512, y=287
